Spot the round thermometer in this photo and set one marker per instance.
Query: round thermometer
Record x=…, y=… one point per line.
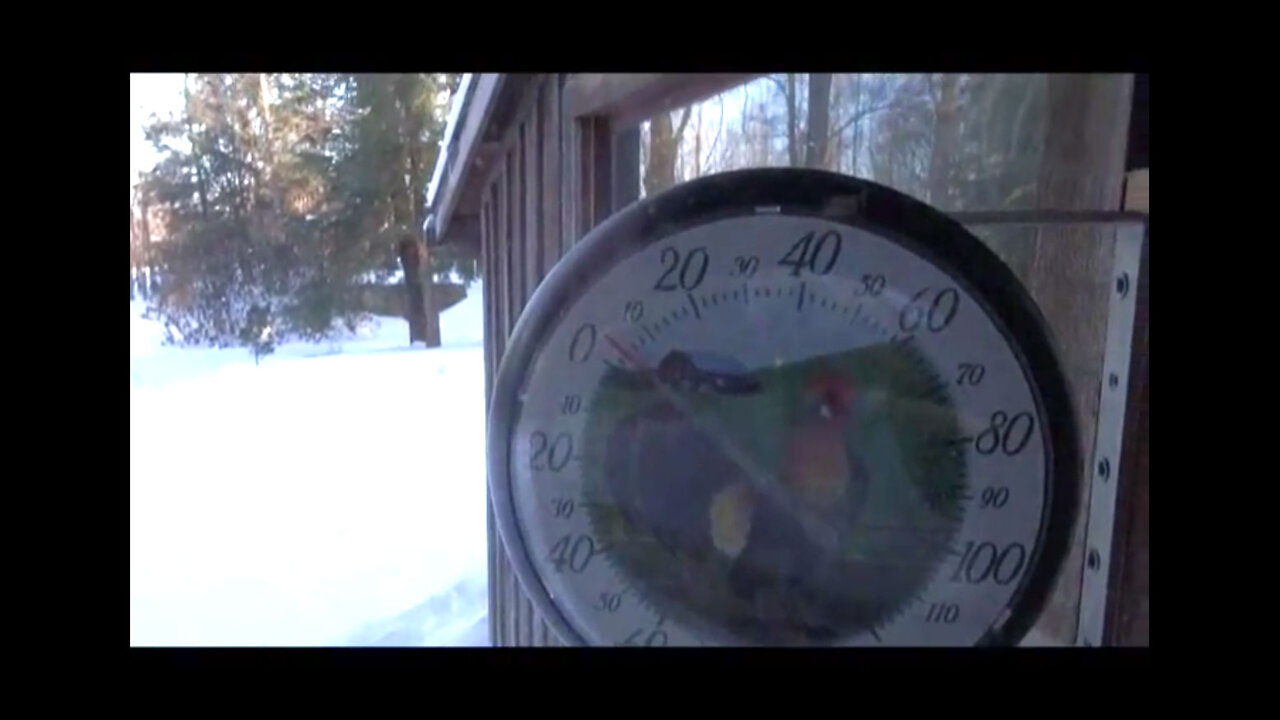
x=783, y=407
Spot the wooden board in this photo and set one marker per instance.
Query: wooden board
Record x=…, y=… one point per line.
x=1067, y=269
x=529, y=240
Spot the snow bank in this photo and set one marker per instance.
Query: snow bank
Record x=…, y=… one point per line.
x=333, y=495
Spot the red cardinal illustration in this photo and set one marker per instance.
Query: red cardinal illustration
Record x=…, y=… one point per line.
x=821, y=466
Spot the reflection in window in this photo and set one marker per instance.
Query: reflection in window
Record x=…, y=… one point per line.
x=957, y=141
x=960, y=142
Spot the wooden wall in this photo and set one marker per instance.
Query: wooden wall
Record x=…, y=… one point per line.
x=558, y=173
x=552, y=182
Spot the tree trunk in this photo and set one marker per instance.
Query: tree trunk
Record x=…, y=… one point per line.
x=793, y=150
x=411, y=261
x=664, y=142
x=857, y=124
x=143, y=209
x=134, y=259
x=195, y=151
x=424, y=318
x=946, y=121
x=430, y=308
x=134, y=255
x=1068, y=268
x=267, y=159
x=838, y=105
x=659, y=172
x=697, y=145
x=819, y=120
x=709, y=161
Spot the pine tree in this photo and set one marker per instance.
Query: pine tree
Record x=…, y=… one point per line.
x=289, y=192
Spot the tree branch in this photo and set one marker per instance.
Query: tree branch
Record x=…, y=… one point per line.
x=781, y=86
x=684, y=121
x=719, y=131
x=862, y=114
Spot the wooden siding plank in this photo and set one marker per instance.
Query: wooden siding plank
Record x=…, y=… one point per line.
x=549, y=161
x=531, y=146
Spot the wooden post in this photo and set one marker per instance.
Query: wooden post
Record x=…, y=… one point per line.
x=1067, y=270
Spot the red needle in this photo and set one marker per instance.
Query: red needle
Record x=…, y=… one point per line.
x=627, y=354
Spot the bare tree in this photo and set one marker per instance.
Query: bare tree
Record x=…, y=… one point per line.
x=704, y=162
x=757, y=119
x=793, y=122
x=946, y=130
x=855, y=151
x=664, y=145
x=715, y=140
x=697, y=142
x=807, y=145
x=868, y=96
x=819, y=120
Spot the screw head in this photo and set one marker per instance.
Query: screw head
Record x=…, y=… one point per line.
x=1122, y=284
x=1094, y=560
x=1113, y=381
x=1104, y=468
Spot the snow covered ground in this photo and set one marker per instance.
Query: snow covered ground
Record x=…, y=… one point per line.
x=333, y=495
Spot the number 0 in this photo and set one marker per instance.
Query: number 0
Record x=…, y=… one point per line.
x=584, y=341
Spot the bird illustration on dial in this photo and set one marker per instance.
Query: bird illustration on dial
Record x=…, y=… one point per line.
x=740, y=495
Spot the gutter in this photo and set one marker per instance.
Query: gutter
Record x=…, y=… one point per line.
x=468, y=116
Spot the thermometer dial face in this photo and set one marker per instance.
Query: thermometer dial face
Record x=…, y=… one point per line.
x=783, y=407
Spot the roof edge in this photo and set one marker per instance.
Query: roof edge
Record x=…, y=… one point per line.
x=464, y=139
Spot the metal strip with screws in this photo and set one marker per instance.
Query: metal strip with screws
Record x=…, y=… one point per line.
x=1109, y=439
